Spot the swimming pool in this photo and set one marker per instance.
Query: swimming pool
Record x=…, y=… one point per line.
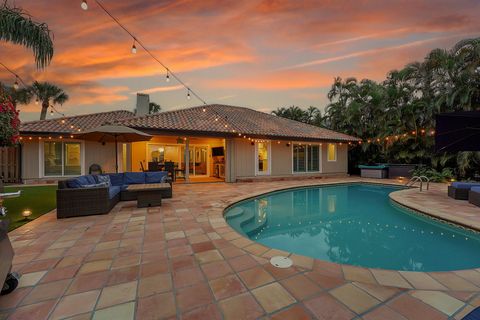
x=354, y=224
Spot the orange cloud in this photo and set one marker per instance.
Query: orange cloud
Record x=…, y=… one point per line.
x=223, y=47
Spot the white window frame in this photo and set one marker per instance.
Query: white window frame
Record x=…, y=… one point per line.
x=269, y=151
x=306, y=157
x=336, y=152
x=41, y=151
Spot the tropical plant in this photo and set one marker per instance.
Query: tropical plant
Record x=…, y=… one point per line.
x=435, y=176
x=312, y=115
x=154, y=108
x=9, y=123
x=16, y=96
x=16, y=26
x=47, y=94
x=407, y=101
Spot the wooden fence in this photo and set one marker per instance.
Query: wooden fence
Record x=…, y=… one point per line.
x=10, y=164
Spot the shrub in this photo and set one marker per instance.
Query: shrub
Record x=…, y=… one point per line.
x=435, y=176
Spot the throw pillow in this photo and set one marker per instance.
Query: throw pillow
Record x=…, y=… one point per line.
x=104, y=179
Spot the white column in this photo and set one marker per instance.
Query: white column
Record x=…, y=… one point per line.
x=187, y=160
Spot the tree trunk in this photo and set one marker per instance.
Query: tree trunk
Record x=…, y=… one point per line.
x=43, y=114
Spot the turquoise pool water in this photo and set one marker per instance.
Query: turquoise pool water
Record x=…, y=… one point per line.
x=354, y=224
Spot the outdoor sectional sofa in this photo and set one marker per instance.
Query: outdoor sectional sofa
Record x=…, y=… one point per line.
x=474, y=196
x=460, y=190
x=83, y=196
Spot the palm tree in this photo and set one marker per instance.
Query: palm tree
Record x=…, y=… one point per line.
x=16, y=96
x=17, y=27
x=154, y=107
x=47, y=93
x=292, y=112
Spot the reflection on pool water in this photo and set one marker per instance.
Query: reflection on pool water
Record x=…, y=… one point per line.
x=354, y=224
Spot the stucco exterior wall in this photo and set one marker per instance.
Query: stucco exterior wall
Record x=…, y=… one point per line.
x=243, y=161
x=93, y=152
x=30, y=160
x=103, y=155
x=282, y=161
x=340, y=166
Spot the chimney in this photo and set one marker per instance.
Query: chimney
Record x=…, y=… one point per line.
x=143, y=104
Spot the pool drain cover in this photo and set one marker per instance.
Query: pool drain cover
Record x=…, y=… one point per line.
x=281, y=262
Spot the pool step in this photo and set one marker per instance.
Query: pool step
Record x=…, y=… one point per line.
x=244, y=220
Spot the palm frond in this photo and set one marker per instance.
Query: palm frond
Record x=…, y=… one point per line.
x=17, y=27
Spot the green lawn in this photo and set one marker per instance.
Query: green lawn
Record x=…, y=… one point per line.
x=38, y=199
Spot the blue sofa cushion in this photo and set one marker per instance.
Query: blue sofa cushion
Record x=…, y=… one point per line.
x=91, y=179
x=475, y=189
x=78, y=182
x=113, y=191
x=134, y=177
x=104, y=178
x=116, y=179
x=465, y=185
x=156, y=177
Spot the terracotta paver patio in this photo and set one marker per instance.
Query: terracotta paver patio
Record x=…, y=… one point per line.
x=182, y=261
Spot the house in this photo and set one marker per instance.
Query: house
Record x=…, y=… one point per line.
x=224, y=143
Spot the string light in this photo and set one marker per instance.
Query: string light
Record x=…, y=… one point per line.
x=393, y=138
x=15, y=85
x=138, y=42
x=167, y=78
x=51, y=112
x=134, y=48
x=188, y=94
x=36, y=101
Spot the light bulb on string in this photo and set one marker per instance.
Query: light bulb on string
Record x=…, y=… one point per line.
x=188, y=95
x=36, y=101
x=204, y=109
x=84, y=5
x=15, y=85
x=51, y=112
x=167, y=78
x=134, y=48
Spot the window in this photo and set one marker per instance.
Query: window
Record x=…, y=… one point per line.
x=263, y=157
x=313, y=153
x=306, y=158
x=299, y=158
x=332, y=152
x=62, y=158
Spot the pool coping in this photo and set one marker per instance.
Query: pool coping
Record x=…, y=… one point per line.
x=419, y=280
x=436, y=215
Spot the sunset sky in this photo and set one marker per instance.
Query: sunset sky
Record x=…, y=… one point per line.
x=261, y=54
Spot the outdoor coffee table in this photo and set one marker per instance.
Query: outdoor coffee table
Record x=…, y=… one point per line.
x=149, y=195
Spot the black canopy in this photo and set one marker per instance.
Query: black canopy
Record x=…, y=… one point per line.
x=458, y=131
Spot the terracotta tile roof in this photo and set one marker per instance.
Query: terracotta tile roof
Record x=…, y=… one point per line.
x=243, y=120
x=83, y=122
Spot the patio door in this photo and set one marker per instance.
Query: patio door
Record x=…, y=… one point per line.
x=198, y=160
